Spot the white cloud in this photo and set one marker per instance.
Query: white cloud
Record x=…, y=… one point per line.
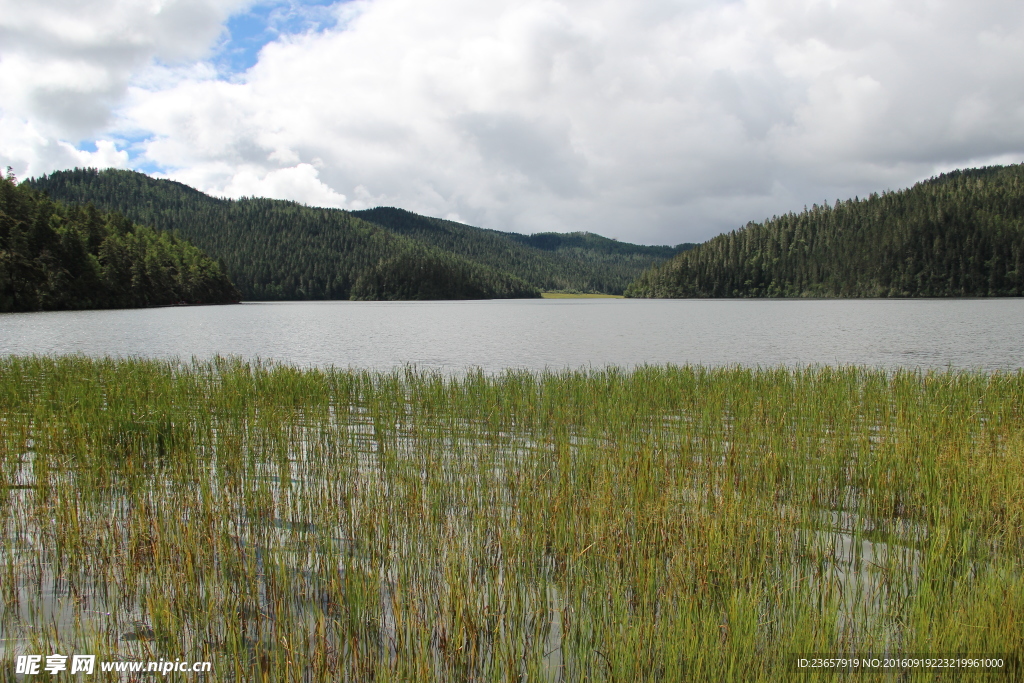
x=106, y=155
x=662, y=121
x=298, y=183
x=65, y=65
x=23, y=142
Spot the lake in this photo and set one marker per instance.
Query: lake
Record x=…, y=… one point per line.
x=981, y=334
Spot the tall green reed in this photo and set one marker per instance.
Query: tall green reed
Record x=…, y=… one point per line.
x=662, y=523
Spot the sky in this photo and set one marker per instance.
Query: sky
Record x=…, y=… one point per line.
x=657, y=122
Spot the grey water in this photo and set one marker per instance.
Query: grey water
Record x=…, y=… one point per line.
x=538, y=334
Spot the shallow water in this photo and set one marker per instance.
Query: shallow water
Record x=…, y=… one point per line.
x=76, y=611
x=980, y=334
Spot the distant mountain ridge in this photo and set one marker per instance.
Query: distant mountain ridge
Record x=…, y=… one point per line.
x=278, y=250
x=958, y=234
x=580, y=261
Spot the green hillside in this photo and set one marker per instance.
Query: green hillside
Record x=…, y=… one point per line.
x=579, y=261
x=55, y=257
x=279, y=250
x=959, y=234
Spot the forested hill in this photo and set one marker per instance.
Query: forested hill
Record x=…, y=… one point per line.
x=55, y=257
x=959, y=234
x=274, y=249
x=580, y=261
x=279, y=250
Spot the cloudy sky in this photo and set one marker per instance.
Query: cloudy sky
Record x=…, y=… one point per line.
x=660, y=121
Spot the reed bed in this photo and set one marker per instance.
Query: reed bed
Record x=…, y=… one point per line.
x=658, y=524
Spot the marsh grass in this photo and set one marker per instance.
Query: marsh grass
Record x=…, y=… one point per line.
x=665, y=523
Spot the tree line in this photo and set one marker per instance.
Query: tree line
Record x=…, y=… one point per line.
x=280, y=250
x=57, y=257
x=958, y=234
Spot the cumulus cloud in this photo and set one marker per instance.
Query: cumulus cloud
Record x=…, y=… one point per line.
x=661, y=121
x=65, y=65
x=297, y=183
x=23, y=141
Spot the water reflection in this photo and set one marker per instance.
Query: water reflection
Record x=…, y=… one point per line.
x=536, y=334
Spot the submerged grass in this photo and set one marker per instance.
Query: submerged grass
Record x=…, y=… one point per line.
x=665, y=523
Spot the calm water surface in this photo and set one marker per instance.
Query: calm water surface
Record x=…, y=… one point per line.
x=986, y=334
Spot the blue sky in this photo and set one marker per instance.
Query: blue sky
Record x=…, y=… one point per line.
x=248, y=31
x=244, y=34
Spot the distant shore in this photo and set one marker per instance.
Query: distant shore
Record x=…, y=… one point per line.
x=567, y=295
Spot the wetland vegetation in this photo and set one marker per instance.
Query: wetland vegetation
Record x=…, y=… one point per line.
x=659, y=524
